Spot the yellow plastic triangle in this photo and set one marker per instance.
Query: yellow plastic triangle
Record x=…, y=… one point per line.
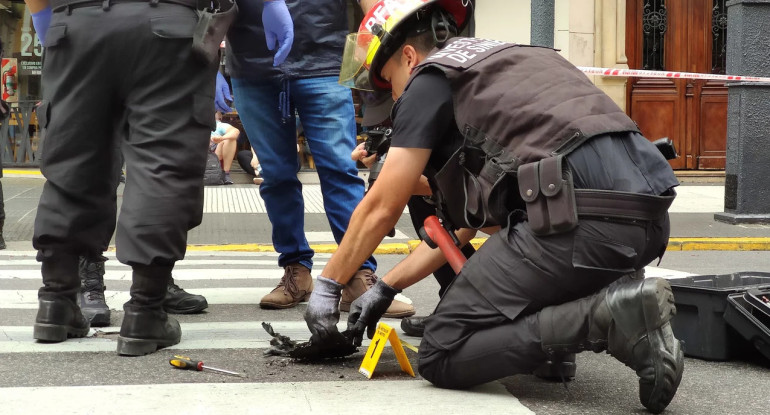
x=384, y=334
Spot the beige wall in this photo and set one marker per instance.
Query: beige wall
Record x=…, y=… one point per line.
x=587, y=32
x=592, y=33
x=506, y=20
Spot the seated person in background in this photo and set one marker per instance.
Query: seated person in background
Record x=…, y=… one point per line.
x=249, y=162
x=224, y=143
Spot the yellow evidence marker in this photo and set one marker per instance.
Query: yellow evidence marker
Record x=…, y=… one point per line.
x=385, y=334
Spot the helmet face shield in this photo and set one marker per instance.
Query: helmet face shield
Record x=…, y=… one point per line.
x=354, y=72
x=366, y=50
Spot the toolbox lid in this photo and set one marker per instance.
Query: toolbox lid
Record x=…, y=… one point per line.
x=752, y=323
x=725, y=283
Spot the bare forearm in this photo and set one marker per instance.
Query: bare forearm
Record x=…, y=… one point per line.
x=419, y=264
x=37, y=5
x=422, y=262
x=366, y=230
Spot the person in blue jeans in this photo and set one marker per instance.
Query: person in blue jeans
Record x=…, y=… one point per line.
x=268, y=100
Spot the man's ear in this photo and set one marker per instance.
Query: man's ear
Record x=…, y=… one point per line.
x=410, y=57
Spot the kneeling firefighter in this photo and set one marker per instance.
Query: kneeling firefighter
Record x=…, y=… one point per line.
x=516, y=142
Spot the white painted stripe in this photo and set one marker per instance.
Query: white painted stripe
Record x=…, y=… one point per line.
x=112, y=254
x=650, y=272
x=223, y=335
x=186, y=262
x=296, y=398
x=180, y=274
x=246, y=199
x=27, y=299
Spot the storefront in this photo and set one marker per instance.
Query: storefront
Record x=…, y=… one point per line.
x=21, y=65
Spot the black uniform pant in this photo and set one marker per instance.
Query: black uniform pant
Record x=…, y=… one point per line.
x=123, y=76
x=2, y=203
x=486, y=325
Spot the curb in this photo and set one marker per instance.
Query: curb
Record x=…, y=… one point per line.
x=404, y=248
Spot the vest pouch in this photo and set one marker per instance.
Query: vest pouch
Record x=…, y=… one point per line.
x=548, y=191
x=452, y=183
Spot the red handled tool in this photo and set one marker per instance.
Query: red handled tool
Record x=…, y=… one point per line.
x=436, y=235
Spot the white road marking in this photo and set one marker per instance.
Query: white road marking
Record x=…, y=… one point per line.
x=297, y=398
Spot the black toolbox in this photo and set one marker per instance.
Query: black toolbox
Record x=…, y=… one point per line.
x=751, y=319
x=701, y=302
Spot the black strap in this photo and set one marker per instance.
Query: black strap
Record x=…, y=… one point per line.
x=623, y=205
x=73, y=4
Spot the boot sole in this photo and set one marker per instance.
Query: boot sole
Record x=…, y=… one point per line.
x=188, y=310
x=658, y=389
x=139, y=347
x=277, y=306
x=56, y=333
x=345, y=306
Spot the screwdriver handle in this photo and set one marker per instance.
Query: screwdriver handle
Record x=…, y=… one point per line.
x=184, y=362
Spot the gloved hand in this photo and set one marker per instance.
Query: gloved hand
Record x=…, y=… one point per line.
x=41, y=20
x=323, y=311
x=221, y=94
x=278, y=28
x=366, y=310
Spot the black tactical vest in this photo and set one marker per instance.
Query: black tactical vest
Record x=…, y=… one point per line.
x=514, y=105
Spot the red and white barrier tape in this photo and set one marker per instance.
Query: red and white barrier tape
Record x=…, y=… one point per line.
x=664, y=74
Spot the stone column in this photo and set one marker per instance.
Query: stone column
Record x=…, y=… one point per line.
x=542, y=12
x=747, y=173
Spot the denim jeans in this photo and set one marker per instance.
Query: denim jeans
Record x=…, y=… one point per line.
x=326, y=112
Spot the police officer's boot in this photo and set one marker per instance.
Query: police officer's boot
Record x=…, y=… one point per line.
x=179, y=301
x=561, y=368
x=58, y=315
x=146, y=326
x=631, y=322
x=91, y=295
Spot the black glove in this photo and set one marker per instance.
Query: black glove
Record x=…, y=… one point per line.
x=323, y=311
x=366, y=310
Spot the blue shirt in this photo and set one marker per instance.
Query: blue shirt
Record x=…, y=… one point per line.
x=221, y=129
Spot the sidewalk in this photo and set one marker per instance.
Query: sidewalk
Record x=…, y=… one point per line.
x=235, y=219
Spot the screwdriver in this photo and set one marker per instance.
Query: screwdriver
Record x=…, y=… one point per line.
x=184, y=362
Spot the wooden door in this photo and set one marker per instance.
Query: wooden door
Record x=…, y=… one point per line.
x=686, y=36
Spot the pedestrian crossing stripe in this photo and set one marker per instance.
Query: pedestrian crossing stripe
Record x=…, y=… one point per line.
x=295, y=398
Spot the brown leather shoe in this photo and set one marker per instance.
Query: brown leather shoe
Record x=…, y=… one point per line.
x=295, y=286
x=360, y=283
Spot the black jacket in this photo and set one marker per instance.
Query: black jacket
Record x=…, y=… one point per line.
x=320, y=27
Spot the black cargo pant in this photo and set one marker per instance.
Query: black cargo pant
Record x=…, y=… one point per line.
x=486, y=325
x=122, y=75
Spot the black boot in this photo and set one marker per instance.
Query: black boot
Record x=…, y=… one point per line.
x=146, y=327
x=413, y=326
x=146, y=330
x=631, y=322
x=558, y=368
x=58, y=319
x=2, y=224
x=179, y=301
x=58, y=316
x=91, y=296
x=562, y=368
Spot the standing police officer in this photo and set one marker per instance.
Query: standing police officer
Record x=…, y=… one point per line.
x=518, y=142
x=125, y=69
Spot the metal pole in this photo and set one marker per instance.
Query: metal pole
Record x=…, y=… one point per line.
x=747, y=188
x=541, y=33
